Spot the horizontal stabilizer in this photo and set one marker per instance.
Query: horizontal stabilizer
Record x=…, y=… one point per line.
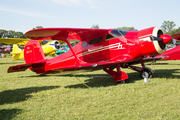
x=23, y=67
x=18, y=68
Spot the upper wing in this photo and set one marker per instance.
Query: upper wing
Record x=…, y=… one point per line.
x=14, y=41
x=64, y=33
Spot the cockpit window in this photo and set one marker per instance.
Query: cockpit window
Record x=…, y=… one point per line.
x=118, y=32
x=95, y=41
x=84, y=44
x=109, y=37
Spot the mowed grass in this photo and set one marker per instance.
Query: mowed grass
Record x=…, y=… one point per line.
x=28, y=96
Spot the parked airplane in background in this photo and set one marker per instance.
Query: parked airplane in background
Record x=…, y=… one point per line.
x=62, y=50
x=173, y=53
x=18, y=41
x=105, y=49
x=49, y=47
x=176, y=36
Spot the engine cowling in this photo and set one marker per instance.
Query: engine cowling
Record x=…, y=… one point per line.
x=152, y=41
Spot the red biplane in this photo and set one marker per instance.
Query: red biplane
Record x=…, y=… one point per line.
x=105, y=49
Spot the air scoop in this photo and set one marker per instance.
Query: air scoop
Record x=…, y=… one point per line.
x=165, y=38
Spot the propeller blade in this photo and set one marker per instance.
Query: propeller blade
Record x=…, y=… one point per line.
x=156, y=38
x=164, y=39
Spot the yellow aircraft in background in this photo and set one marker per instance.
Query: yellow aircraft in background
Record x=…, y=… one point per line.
x=18, y=41
x=49, y=47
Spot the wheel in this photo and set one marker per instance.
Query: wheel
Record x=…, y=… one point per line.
x=123, y=81
x=146, y=72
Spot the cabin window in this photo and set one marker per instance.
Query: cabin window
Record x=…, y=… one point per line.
x=109, y=37
x=84, y=44
x=95, y=41
x=118, y=32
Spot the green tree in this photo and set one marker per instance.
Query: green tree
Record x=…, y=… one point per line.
x=95, y=26
x=19, y=35
x=168, y=26
x=126, y=28
x=2, y=33
x=37, y=27
x=174, y=31
x=11, y=34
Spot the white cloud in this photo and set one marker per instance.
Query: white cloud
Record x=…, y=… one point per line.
x=128, y=0
x=90, y=3
x=68, y=2
x=22, y=12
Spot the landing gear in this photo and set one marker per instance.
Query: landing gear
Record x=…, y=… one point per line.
x=119, y=76
x=124, y=81
x=146, y=72
x=122, y=77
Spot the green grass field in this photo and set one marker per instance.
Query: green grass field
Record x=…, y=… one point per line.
x=27, y=96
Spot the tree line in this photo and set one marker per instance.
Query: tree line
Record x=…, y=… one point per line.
x=11, y=34
x=168, y=27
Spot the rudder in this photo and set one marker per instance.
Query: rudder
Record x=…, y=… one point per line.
x=17, y=53
x=16, y=49
x=33, y=52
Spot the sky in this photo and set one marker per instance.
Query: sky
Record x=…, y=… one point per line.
x=24, y=15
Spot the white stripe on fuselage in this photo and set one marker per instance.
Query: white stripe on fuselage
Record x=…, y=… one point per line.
x=116, y=45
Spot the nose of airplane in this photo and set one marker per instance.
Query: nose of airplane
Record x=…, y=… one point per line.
x=165, y=38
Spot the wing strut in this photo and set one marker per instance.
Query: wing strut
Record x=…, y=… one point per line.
x=77, y=59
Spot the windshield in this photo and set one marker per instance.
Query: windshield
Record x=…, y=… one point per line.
x=118, y=32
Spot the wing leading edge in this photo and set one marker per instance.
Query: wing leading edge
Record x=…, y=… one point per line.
x=18, y=41
x=62, y=33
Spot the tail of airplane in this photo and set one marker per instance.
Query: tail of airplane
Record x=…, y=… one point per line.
x=34, y=58
x=16, y=49
x=17, y=53
x=33, y=52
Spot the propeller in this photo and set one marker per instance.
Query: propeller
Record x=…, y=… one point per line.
x=153, y=38
x=57, y=45
x=162, y=40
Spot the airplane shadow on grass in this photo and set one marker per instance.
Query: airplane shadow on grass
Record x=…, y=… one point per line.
x=8, y=63
x=9, y=114
x=106, y=80
x=18, y=95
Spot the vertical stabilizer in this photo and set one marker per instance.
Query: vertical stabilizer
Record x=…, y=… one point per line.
x=33, y=52
x=17, y=53
x=16, y=49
